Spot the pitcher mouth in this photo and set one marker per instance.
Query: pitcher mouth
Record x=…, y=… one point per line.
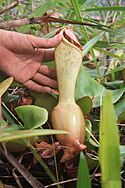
x=68, y=34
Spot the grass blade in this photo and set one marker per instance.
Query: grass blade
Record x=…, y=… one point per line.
x=22, y=134
x=113, y=8
x=109, y=151
x=91, y=43
x=76, y=8
x=83, y=173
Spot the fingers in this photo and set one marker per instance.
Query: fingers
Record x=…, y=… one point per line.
x=38, y=42
x=44, y=54
x=49, y=54
x=50, y=72
x=38, y=88
x=44, y=80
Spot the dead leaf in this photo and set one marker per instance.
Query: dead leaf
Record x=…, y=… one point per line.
x=48, y=150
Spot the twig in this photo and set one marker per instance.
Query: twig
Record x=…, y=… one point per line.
x=9, y=7
x=16, y=178
x=24, y=172
x=43, y=20
x=61, y=182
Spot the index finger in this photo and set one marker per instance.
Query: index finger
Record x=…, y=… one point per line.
x=38, y=42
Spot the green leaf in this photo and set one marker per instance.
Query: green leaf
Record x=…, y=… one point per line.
x=83, y=89
x=122, y=117
x=3, y=123
x=4, y=85
x=40, y=11
x=120, y=108
x=76, y=7
x=117, y=69
x=110, y=8
x=89, y=127
x=114, y=84
x=81, y=2
x=83, y=173
x=87, y=86
x=91, y=43
x=92, y=162
x=86, y=104
x=13, y=127
x=22, y=134
x=7, y=114
x=44, y=7
x=25, y=28
x=89, y=136
x=32, y=116
x=116, y=96
x=109, y=151
x=108, y=53
x=45, y=100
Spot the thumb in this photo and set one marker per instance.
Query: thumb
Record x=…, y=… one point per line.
x=38, y=42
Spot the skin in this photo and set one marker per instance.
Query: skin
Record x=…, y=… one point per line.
x=21, y=56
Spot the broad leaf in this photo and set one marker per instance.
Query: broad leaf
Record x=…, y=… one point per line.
x=120, y=108
x=32, y=116
x=87, y=86
x=86, y=104
x=43, y=100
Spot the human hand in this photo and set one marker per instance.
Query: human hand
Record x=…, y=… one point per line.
x=21, y=56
